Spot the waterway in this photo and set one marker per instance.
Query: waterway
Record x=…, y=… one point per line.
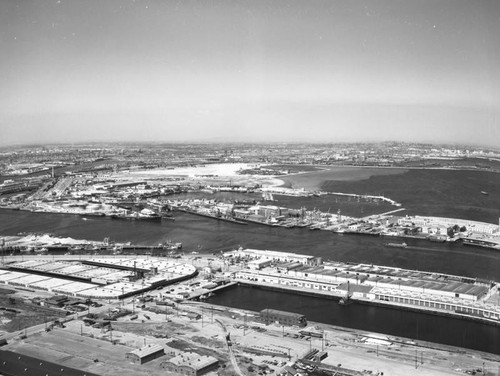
x=207, y=235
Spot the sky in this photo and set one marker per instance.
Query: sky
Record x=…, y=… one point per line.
x=259, y=71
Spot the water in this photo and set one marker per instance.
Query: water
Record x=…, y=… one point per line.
x=390, y=321
x=440, y=193
x=436, y=192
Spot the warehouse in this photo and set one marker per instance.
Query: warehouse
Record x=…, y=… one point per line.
x=145, y=354
x=190, y=364
x=270, y=316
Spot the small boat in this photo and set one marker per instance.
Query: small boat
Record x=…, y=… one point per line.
x=346, y=299
x=484, y=193
x=396, y=245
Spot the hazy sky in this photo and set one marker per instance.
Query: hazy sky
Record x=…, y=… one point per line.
x=336, y=70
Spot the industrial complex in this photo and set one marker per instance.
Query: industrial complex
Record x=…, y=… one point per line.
x=97, y=278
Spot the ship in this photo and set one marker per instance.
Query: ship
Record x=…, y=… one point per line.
x=397, y=245
x=484, y=193
x=437, y=238
x=245, y=202
x=217, y=216
x=143, y=215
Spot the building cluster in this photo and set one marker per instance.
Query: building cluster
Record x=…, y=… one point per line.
x=108, y=278
x=185, y=363
x=438, y=225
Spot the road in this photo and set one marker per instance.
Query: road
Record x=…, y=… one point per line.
x=232, y=357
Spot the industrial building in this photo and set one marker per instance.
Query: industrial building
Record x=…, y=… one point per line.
x=275, y=256
x=190, y=364
x=145, y=354
x=270, y=316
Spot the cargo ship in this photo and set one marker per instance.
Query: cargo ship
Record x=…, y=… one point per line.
x=213, y=216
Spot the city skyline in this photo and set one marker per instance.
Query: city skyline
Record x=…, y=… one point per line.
x=321, y=71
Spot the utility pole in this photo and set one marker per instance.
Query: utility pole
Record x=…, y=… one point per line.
x=2, y=244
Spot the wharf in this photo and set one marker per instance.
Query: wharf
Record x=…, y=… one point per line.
x=199, y=294
x=259, y=222
x=382, y=198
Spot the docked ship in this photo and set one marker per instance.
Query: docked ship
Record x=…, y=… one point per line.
x=143, y=215
x=216, y=215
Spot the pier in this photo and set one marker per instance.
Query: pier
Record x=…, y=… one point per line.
x=433, y=293
x=381, y=198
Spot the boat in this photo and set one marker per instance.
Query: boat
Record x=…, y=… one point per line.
x=138, y=217
x=217, y=216
x=397, y=245
x=245, y=202
x=437, y=238
x=484, y=193
x=267, y=196
x=346, y=300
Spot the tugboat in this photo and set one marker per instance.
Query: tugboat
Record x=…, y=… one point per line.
x=346, y=300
